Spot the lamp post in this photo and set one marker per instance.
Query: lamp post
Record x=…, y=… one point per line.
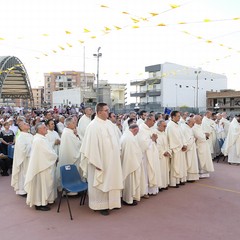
x=197, y=72
x=176, y=94
x=97, y=55
x=194, y=96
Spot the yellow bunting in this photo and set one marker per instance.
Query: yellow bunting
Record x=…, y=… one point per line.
x=81, y=41
x=230, y=48
x=107, y=28
x=199, y=37
x=144, y=19
x=221, y=45
x=207, y=20
x=104, y=6
x=208, y=41
x=236, y=18
x=135, y=20
x=186, y=32
x=45, y=54
x=69, y=44
x=153, y=14
x=174, y=6
x=86, y=30
x=182, y=23
x=2, y=38
x=125, y=13
x=37, y=57
x=161, y=25
x=135, y=26
x=118, y=28
x=62, y=48
x=54, y=51
x=45, y=35
x=67, y=32
x=93, y=37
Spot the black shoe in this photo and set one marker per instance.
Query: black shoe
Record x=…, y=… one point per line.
x=23, y=195
x=166, y=188
x=160, y=189
x=4, y=174
x=42, y=208
x=104, y=212
x=182, y=183
x=177, y=186
x=130, y=204
x=191, y=181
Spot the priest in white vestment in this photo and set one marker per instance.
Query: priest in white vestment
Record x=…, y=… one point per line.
x=232, y=142
x=83, y=123
x=131, y=156
x=203, y=149
x=101, y=163
x=164, y=153
x=69, y=150
x=225, y=122
x=147, y=142
x=191, y=152
x=142, y=117
x=21, y=158
x=177, y=143
x=208, y=126
x=60, y=125
x=52, y=136
x=40, y=178
x=113, y=119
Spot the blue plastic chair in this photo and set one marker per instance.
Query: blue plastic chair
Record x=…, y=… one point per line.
x=71, y=182
x=10, y=151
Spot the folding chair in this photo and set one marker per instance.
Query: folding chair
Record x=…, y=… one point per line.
x=71, y=182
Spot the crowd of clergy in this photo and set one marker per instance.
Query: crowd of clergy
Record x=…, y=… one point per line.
x=122, y=158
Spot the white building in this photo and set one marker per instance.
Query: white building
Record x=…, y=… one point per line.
x=173, y=85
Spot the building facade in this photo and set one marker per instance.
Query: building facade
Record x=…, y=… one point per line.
x=224, y=101
x=56, y=81
x=173, y=85
x=38, y=97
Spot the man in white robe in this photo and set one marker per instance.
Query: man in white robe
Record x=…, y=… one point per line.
x=177, y=143
x=40, y=178
x=113, y=119
x=132, y=115
x=142, y=117
x=203, y=149
x=164, y=152
x=232, y=142
x=191, y=152
x=147, y=142
x=83, y=123
x=101, y=163
x=208, y=126
x=53, y=136
x=225, y=123
x=69, y=150
x=131, y=156
x=21, y=158
x=60, y=125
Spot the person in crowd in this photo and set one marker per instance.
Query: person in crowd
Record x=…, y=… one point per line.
x=21, y=158
x=69, y=150
x=84, y=122
x=203, y=149
x=40, y=178
x=101, y=164
x=7, y=137
x=131, y=156
x=60, y=125
x=178, y=146
x=232, y=142
x=142, y=117
x=191, y=152
x=53, y=136
x=147, y=140
x=164, y=153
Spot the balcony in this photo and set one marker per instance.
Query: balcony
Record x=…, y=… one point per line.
x=153, y=81
x=138, y=94
x=138, y=82
x=154, y=92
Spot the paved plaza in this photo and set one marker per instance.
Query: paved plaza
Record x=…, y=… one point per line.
x=208, y=209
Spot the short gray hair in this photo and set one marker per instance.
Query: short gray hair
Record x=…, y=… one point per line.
x=38, y=126
x=160, y=122
x=67, y=121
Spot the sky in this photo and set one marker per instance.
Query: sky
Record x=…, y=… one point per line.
x=51, y=35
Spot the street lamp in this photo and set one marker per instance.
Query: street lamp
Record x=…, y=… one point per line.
x=197, y=72
x=176, y=94
x=97, y=55
x=194, y=96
